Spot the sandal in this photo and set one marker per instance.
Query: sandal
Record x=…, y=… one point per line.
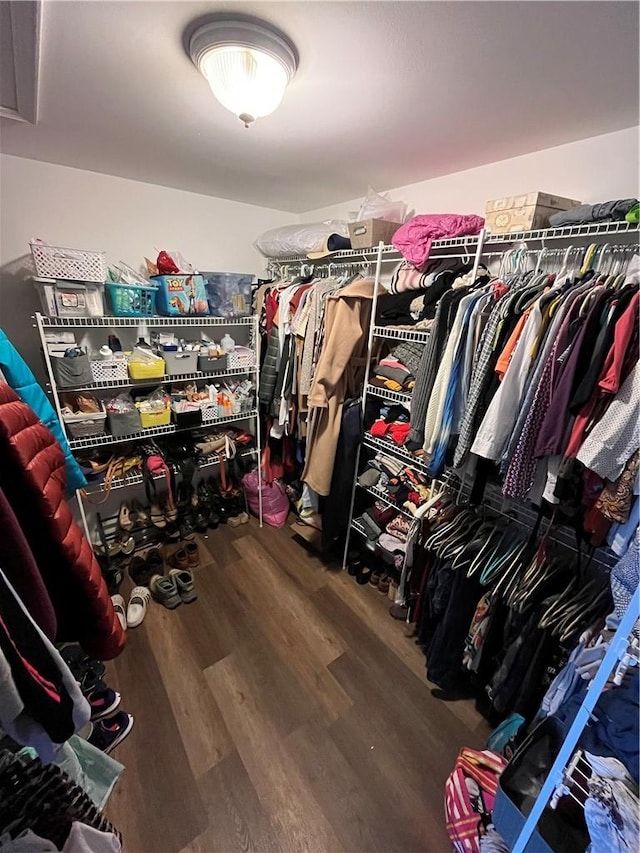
x=138, y=513
x=124, y=517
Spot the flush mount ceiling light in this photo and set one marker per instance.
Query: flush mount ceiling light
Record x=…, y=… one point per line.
x=247, y=64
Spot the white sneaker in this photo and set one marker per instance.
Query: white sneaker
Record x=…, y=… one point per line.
x=137, y=607
x=118, y=606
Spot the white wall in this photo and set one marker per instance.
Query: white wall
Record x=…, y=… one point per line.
x=591, y=170
x=127, y=219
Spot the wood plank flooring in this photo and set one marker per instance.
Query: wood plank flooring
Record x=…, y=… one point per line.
x=282, y=711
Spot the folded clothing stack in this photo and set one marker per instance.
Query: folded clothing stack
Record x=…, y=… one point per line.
x=393, y=424
x=400, y=484
x=387, y=531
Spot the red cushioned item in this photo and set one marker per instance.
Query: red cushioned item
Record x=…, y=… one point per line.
x=32, y=476
x=399, y=432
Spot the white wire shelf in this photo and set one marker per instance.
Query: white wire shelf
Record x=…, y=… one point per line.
x=381, y=495
x=134, y=478
x=359, y=528
x=134, y=322
x=419, y=336
x=151, y=432
x=380, y=444
x=593, y=229
x=395, y=396
x=161, y=380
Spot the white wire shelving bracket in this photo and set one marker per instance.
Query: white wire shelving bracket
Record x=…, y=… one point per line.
x=395, y=396
x=133, y=478
x=381, y=495
x=418, y=336
x=151, y=432
x=134, y=322
x=379, y=444
x=167, y=379
x=358, y=527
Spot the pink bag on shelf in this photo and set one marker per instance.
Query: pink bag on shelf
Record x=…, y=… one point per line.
x=275, y=503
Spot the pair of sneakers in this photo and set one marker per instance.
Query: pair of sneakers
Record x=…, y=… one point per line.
x=178, y=586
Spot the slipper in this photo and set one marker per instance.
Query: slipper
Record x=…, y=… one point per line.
x=137, y=607
x=155, y=562
x=118, y=606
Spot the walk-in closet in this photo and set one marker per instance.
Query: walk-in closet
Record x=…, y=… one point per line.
x=319, y=426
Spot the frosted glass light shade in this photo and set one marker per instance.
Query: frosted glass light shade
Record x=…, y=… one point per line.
x=247, y=63
x=248, y=82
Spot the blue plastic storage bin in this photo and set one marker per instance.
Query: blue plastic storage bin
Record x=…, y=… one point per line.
x=228, y=293
x=131, y=300
x=181, y=295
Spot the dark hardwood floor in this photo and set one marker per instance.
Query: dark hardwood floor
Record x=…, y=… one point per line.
x=283, y=711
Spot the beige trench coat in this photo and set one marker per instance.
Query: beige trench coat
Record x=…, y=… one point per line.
x=339, y=375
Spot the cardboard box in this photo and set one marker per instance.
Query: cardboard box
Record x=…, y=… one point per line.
x=368, y=233
x=526, y=212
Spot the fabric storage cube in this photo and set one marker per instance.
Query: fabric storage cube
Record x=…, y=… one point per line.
x=85, y=424
x=72, y=371
x=124, y=423
x=368, y=233
x=181, y=295
x=228, y=293
x=113, y=370
x=213, y=365
x=156, y=419
x=69, y=298
x=142, y=370
x=180, y=362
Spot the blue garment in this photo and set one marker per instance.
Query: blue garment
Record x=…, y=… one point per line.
x=436, y=464
x=23, y=382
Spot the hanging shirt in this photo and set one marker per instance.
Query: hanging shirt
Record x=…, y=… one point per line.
x=498, y=422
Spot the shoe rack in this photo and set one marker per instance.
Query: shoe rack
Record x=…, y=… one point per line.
x=90, y=330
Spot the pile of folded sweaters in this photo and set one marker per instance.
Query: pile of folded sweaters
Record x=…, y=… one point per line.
x=397, y=370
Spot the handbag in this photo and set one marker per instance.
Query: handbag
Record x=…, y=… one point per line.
x=275, y=503
x=469, y=795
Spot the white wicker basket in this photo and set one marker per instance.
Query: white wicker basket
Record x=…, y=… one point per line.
x=70, y=264
x=210, y=411
x=109, y=371
x=241, y=359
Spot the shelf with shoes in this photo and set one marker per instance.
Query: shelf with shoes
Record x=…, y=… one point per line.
x=250, y=331
x=134, y=478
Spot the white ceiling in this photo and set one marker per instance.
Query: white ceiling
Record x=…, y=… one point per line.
x=387, y=93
